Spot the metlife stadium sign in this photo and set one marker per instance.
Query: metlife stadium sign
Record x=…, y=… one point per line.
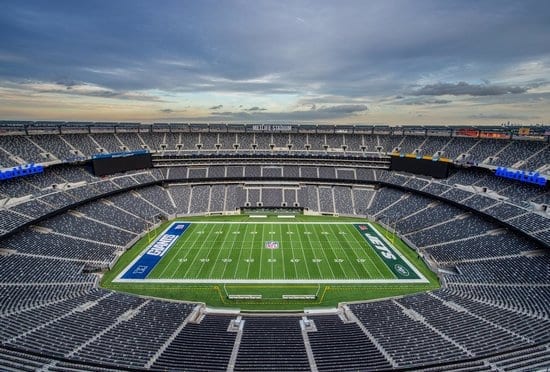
x=521, y=176
x=271, y=128
x=21, y=171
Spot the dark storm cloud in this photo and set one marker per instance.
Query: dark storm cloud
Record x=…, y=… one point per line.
x=463, y=88
x=341, y=109
x=297, y=48
x=217, y=107
x=67, y=83
x=416, y=101
x=499, y=116
x=256, y=108
x=75, y=88
x=230, y=115
x=314, y=113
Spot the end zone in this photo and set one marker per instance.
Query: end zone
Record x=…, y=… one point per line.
x=147, y=260
x=394, y=260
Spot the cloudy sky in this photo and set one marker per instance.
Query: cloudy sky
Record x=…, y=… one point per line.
x=394, y=62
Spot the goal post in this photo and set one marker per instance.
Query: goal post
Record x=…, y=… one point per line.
x=150, y=225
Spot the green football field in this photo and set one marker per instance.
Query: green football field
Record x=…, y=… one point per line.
x=267, y=260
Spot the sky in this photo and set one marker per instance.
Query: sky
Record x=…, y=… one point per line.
x=353, y=62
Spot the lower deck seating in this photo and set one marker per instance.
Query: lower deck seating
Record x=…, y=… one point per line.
x=343, y=347
x=200, y=347
x=272, y=343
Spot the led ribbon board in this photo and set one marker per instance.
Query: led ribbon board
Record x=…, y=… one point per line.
x=119, y=154
x=521, y=176
x=21, y=171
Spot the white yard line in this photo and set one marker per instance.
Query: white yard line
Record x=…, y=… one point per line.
x=229, y=256
x=173, y=258
x=336, y=250
x=215, y=263
x=304, y=240
x=207, y=254
x=302, y=250
x=238, y=262
x=272, y=253
x=352, y=249
x=261, y=253
x=328, y=262
x=254, y=244
x=345, y=252
x=283, y=251
x=191, y=249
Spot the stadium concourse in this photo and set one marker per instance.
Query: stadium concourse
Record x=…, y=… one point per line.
x=487, y=238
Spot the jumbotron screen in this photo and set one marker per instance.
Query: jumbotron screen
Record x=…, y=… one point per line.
x=105, y=164
x=426, y=167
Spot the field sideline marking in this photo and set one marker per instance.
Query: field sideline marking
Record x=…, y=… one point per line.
x=274, y=281
x=274, y=222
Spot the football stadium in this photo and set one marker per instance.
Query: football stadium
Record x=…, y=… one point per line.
x=274, y=185
x=287, y=247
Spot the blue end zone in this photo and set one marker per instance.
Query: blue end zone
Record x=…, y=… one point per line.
x=154, y=253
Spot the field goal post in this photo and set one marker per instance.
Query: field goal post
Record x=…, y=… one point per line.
x=151, y=224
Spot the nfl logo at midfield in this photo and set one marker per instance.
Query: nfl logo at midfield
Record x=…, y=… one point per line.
x=271, y=244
